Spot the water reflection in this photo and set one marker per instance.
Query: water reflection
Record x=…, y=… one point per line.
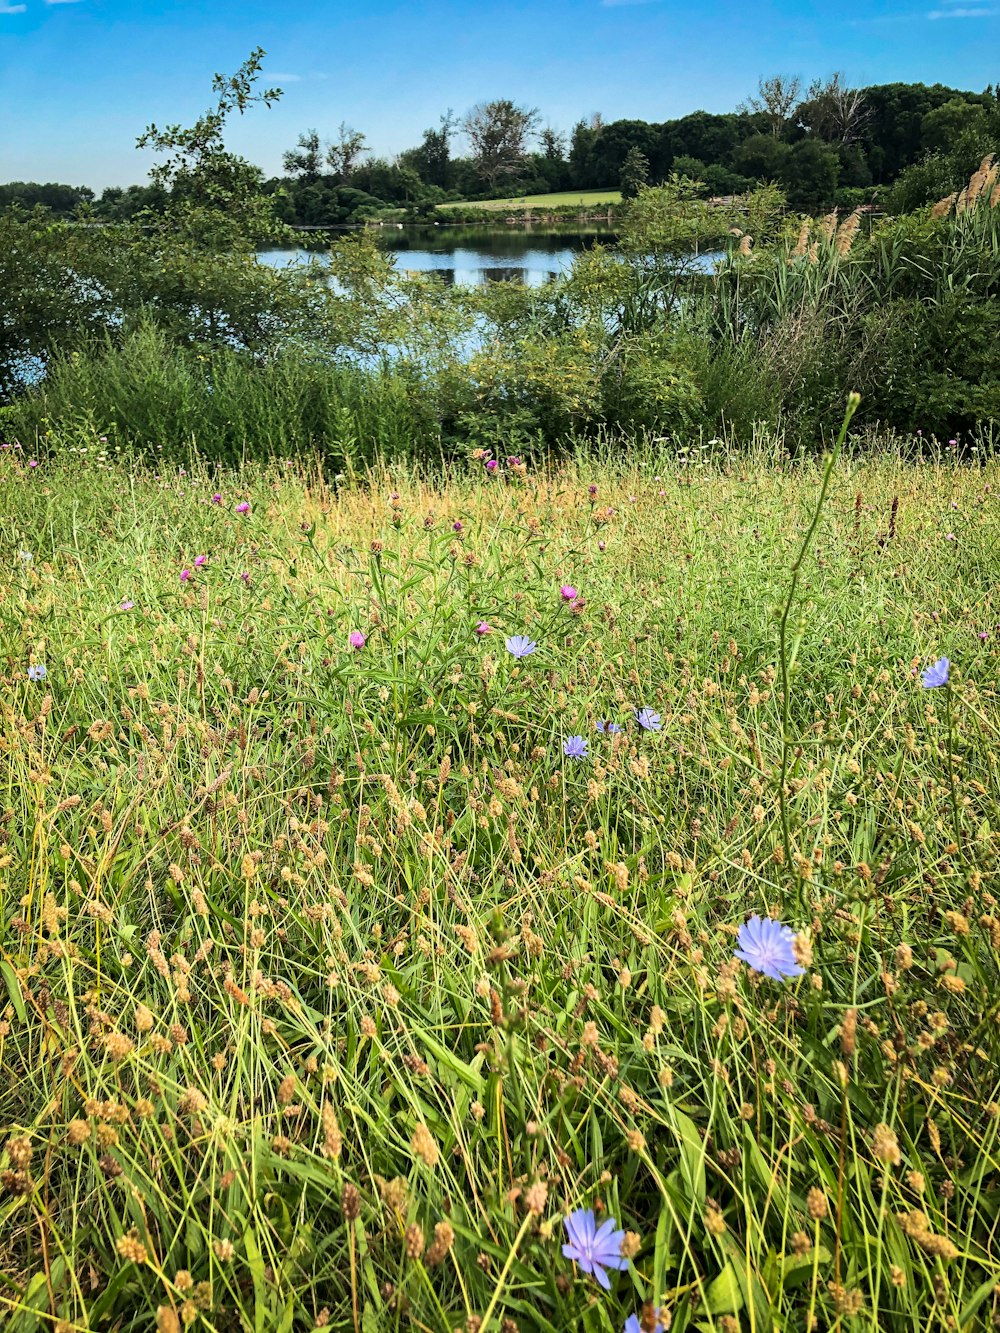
x=475, y=256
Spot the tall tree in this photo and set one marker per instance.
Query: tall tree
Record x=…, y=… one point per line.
x=634, y=173
x=777, y=97
x=307, y=160
x=498, y=134
x=834, y=111
x=344, y=153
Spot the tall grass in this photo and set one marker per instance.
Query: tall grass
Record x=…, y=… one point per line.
x=330, y=985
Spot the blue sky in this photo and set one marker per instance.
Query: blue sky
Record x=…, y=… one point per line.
x=80, y=79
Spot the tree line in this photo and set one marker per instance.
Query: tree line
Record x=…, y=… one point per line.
x=825, y=144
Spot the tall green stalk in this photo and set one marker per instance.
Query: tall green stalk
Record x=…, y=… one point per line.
x=852, y=406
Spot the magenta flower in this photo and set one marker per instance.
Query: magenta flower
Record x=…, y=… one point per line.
x=492, y=465
x=32, y=462
x=127, y=606
x=200, y=560
x=594, y=1247
x=216, y=499
x=185, y=575
x=356, y=639
x=243, y=508
x=483, y=628
x=245, y=576
x=568, y=593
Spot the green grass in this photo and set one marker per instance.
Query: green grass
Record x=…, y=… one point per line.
x=328, y=986
x=584, y=198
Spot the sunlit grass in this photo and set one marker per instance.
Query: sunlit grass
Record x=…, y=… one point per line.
x=328, y=985
x=560, y=199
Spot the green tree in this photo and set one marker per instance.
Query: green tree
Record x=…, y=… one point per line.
x=345, y=152
x=305, y=161
x=498, y=134
x=777, y=98
x=214, y=194
x=811, y=175
x=634, y=173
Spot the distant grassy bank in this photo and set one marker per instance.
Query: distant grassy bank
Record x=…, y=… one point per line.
x=585, y=199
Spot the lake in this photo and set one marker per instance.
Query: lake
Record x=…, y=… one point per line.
x=473, y=256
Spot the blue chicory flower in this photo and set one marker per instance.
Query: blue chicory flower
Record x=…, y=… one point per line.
x=648, y=719
x=936, y=674
x=575, y=747
x=607, y=728
x=594, y=1247
x=768, y=947
x=37, y=672
x=632, y=1324
x=519, y=645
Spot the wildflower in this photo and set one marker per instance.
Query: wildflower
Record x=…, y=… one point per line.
x=632, y=1324
x=127, y=605
x=950, y=537
x=768, y=947
x=592, y=490
x=243, y=508
x=647, y=719
x=491, y=465
x=200, y=560
x=594, y=1248
x=482, y=628
x=457, y=526
x=38, y=672
x=519, y=645
x=356, y=639
x=602, y=546
x=245, y=576
x=513, y=461
x=607, y=728
x=575, y=747
x=568, y=593
x=185, y=575
x=25, y=557
x=936, y=674
x=32, y=462
x=216, y=499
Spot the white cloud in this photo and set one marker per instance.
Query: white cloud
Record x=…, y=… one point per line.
x=6, y=8
x=285, y=78
x=963, y=13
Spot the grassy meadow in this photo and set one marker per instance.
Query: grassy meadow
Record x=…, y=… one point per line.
x=330, y=984
x=560, y=199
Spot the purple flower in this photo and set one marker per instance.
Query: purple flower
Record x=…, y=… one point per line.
x=575, y=747
x=32, y=462
x=594, y=1248
x=38, y=672
x=243, y=508
x=632, y=1324
x=647, y=719
x=185, y=575
x=601, y=546
x=356, y=639
x=127, y=605
x=767, y=946
x=216, y=499
x=199, y=560
x=607, y=728
x=513, y=461
x=592, y=490
x=567, y=592
x=457, y=525
x=519, y=645
x=245, y=576
x=936, y=674
x=491, y=465
x=483, y=628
